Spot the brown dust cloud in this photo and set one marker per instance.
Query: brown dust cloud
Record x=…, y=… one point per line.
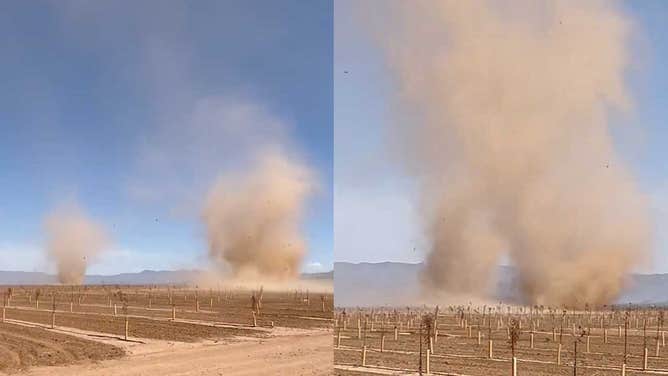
x=505, y=122
x=253, y=218
x=73, y=241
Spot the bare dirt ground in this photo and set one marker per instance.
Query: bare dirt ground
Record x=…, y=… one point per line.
x=309, y=354
x=213, y=332
x=137, y=327
x=457, y=350
x=22, y=347
x=285, y=309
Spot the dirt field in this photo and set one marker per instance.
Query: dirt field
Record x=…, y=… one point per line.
x=284, y=355
x=297, y=309
x=181, y=331
x=137, y=327
x=22, y=347
x=457, y=352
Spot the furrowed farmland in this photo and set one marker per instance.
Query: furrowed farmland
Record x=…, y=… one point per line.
x=60, y=325
x=501, y=340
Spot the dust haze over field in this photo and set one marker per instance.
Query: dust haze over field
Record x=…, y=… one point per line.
x=74, y=240
x=504, y=120
x=253, y=218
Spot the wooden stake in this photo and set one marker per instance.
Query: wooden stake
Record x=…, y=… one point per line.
x=644, y=359
x=658, y=346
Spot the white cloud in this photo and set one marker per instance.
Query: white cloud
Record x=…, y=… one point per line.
x=314, y=267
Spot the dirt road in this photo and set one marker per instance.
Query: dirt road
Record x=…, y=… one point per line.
x=284, y=355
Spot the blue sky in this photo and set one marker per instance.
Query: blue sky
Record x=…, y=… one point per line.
x=373, y=200
x=115, y=105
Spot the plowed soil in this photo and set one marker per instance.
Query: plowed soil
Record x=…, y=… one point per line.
x=214, y=332
x=22, y=347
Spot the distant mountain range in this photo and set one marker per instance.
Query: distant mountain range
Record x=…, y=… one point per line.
x=146, y=277
x=393, y=283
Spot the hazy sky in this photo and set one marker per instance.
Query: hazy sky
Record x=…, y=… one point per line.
x=132, y=109
x=374, y=218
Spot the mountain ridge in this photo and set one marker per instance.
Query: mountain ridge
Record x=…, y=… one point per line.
x=397, y=283
x=157, y=277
